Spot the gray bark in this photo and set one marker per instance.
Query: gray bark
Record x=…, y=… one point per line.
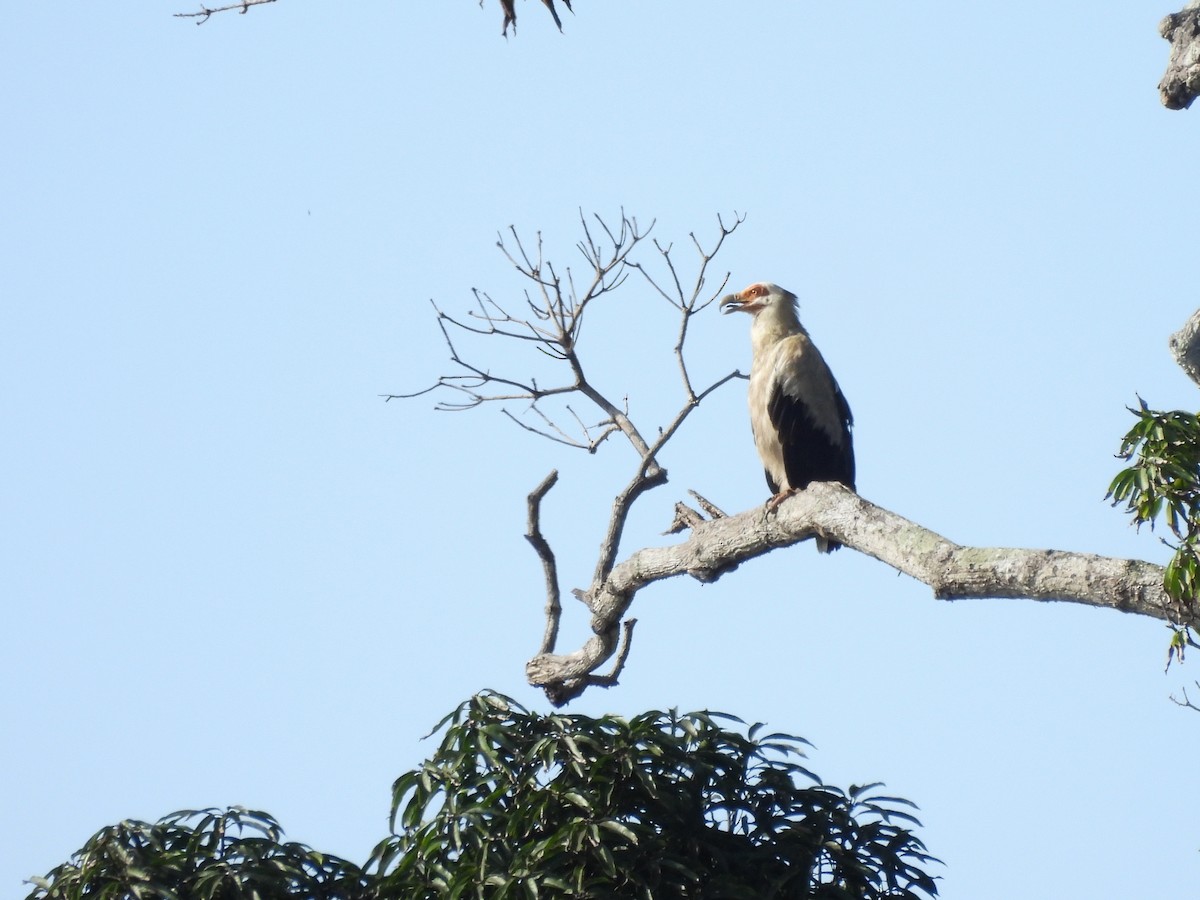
x=953, y=572
x=1181, y=81
x=1185, y=345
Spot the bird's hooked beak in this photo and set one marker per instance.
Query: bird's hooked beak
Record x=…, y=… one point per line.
x=733, y=303
x=739, y=302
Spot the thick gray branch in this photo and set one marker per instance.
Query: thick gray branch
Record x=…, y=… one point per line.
x=1185, y=344
x=534, y=535
x=952, y=571
x=1181, y=82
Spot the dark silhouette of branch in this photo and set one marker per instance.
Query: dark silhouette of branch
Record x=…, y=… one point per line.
x=507, y=7
x=243, y=6
x=1186, y=701
x=510, y=13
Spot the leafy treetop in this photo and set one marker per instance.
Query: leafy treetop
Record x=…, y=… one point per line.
x=518, y=804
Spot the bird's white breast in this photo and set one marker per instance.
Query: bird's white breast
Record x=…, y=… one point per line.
x=790, y=364
x=763, y=377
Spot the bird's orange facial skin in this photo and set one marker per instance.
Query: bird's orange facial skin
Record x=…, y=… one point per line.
x=749, y=300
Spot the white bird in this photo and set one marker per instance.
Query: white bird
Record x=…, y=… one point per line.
x=801, y=421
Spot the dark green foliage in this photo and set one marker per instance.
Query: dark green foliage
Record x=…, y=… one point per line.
x=517, y=804
x=1164, y=482
x=235, y=854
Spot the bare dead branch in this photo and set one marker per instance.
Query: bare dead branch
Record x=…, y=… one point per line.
x=534, y=535
x=720, y=544
x=1185, y=347
x=557, y=340
x=609, y=269
x=667, y=433
x=606, y=427
x=615, y=415
x=1186, y=701
x=510, y=14
x=564, y=307
x=707, y=257
x=1181, y=82
x=471, y=384
x=507, y=8
x=713, y=511
x=649, y=475
x=685, y=519
x=420, y=393
x=689, y=304
x=243, y=6
x=953, y=572
x=556, y=308
x=564, y=693
x=528, y=331
x=554, y=433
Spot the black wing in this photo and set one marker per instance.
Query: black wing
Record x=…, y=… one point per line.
x=815, y=447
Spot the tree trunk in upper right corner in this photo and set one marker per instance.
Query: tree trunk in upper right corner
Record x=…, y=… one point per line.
x=1181, y=81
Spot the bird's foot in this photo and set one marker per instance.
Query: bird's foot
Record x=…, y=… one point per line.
x=773, y=503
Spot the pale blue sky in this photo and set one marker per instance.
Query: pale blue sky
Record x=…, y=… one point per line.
x=233, y=575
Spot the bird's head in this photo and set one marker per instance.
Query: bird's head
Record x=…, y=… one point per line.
x=759, y=297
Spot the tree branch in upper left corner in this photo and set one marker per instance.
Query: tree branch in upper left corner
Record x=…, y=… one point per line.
x=242, y=6
x=508, y=10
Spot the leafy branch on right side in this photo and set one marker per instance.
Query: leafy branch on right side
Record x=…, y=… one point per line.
x=1163, y=483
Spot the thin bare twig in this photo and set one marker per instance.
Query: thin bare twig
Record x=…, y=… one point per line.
x=689, y=304
x=650, y=475
x=556, y=434
x=1186, y=701
x=471, y=384
x=507, y=8
x=243, y=6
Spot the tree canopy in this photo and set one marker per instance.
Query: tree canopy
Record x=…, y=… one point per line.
x=514, y=803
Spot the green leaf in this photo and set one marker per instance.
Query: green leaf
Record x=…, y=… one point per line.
x=617, y=828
